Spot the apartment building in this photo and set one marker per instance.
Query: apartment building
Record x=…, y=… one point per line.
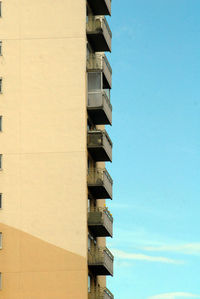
x=55, y=83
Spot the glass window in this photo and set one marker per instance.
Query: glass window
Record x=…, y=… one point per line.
x=107, y=92
x=94, y=81
x=89, y=283
x=0, y=85
x=89, y=164
x=0, y=123
x=88, y=53
x=0, y=200
x=89, y=243
x=89, y=125
x=0, y=47
x=0, y=161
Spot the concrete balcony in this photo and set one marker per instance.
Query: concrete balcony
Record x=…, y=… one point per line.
x=100, y=222
x=99, y=34
x=100, y=261
x=99, y=108
x=100, y=184
x=99, y=63
x=99, y=145
x=100, y=7
x=100, y=293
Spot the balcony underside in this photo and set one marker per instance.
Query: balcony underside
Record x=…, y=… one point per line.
x=98, y=41
x=99, y=116
x=100, y=7
x=99, y=230
x=107, y=82
x=100, y=270
x=99, y=191
x=99, y=153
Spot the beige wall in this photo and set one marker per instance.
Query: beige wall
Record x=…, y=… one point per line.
x=43, y=142
x=34, y=269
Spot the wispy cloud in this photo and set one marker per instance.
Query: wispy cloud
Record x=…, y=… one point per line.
x=138, y=238
x=142, y=257
x=174, y=295
x=187, y=248
x=145, y=241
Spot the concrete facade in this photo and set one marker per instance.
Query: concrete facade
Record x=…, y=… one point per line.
x=43, y=180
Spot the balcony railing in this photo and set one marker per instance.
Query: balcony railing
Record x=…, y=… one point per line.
x=99, y=63
x=99, y=145
x=100, y=183
x=99, y=108
x=100, y=7
x=100, y=293
x=99, y=34
x=100, y=261
x=100, y=222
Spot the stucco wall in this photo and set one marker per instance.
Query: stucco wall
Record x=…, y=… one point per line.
x=43, y=141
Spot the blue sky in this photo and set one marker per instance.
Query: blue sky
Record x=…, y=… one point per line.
x=156, y=153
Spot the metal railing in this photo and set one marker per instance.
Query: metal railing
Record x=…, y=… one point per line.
x=98, y=61
x=107, y=63
x=98, y=98
x=103, y=210
x=100, y=216
x=103, y=19
x=100, y=293
x=99, y=138
x=96, y=23
x=101, y=256
x=97, y=26
x=107, y=294
x=98, y=175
